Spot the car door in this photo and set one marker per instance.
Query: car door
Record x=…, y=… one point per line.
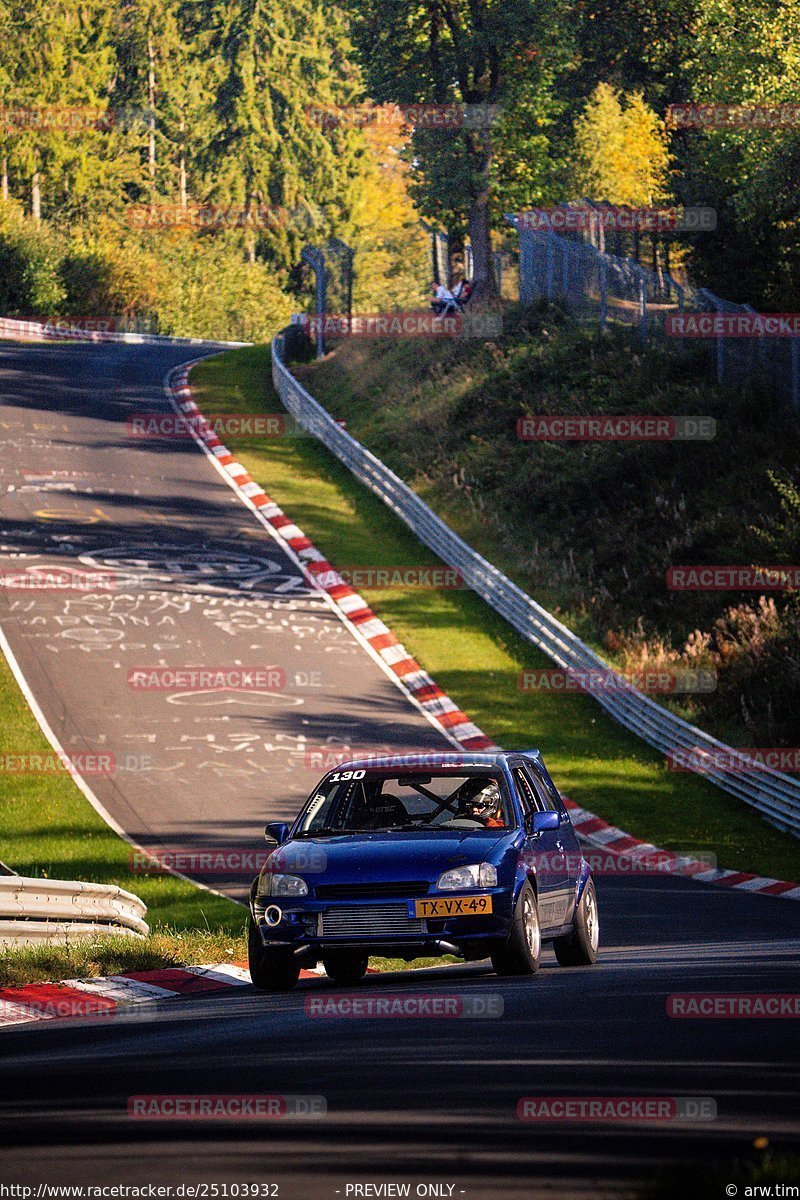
x=565, y=837
x=544, y=851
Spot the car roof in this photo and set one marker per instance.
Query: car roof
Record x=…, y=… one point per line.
x=412, y=763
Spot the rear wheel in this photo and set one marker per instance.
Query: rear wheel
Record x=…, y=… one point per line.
x=345, y=968
x=520, y=953
x=579, y=948
x=270, y=970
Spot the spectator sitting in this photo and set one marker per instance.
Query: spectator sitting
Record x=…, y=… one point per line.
x=444, y=302
x=462, y=291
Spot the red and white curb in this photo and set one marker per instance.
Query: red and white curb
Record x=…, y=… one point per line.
x=620, y=845
x=416, y=682
x=387, y=649
x=105, y=995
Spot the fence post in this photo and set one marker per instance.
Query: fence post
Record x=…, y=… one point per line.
x=316, y=260
x=679, y=290
x=603, y=272
x=550, y=257
x=643, y=308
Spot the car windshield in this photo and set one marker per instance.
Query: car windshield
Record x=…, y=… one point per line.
x=355, y=801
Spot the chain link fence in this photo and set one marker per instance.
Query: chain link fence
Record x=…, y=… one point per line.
x=609, y=290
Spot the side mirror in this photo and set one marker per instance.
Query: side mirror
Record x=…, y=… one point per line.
x=538, y=822
x=276, y=831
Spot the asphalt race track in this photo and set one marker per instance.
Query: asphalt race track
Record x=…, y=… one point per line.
x=196, y=581
x=433, y=1098
x=411, y=1100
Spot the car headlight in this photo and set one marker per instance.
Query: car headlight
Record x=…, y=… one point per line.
x=283, y=885
x=479, y=875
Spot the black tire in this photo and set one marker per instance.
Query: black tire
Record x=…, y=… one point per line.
x=345, y=968
x=521, y=952
x=579, y=948
x=270, y=970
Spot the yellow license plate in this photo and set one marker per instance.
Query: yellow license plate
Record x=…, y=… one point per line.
x=453, y=906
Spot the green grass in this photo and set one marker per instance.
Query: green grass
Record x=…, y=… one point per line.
x=48, y=828
x=111, y=955
x=476, y=657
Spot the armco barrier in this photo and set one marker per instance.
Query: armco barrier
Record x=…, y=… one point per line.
x=36, y=911
x=17, y=329
x=775, y=795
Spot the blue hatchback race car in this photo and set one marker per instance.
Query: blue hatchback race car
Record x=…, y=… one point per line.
x=429, y=854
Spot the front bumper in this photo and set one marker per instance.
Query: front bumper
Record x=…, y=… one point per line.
x=377, y=927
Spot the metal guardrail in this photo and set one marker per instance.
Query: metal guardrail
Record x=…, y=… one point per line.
x=775, y=795
x=18, y=328
x=37, y=911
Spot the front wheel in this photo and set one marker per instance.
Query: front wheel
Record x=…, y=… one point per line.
x=579, y=948
x=270, y=970
x=345, y=968
x=520, y=953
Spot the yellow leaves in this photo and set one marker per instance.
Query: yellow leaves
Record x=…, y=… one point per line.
x=621, y=149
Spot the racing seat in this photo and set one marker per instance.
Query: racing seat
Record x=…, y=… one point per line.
x=386, y=810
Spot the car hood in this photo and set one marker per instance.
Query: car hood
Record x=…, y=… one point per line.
x=386, y=857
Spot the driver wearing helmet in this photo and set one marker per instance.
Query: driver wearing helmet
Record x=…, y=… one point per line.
x=480, y=799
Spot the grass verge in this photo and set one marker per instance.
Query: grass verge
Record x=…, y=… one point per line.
x=118, y=955
x=476, y=657
x=48, y=829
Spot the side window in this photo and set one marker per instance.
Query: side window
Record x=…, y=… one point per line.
x=527, y=794
x=547, y=789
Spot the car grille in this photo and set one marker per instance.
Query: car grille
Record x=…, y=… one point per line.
x=371, y=891
x=373, y=920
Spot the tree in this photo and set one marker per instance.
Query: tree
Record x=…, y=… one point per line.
x=750, y=175
x=621, y=150
x=467, y=53
x=280, y=61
